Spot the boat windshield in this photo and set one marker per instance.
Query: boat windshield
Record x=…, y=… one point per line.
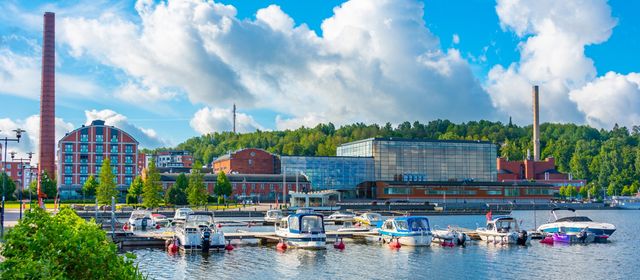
x=311, y=224
x=419, y=225
x=199, y=219
x=402, y=225
x=505, y=225
x=139, y=215
x=374, y=217
x=274, y=214
x=574, y=219
x=182, y=213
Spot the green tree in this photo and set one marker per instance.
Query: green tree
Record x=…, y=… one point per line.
x=571, y=191
x=197, y=191
x=634, y=188
x=107, y=186
x=47, y=185
x=584, y=192
x=176, y=194
x=135, y=189
x=9, y=186
x=62, y=246
x=626, y=191
x=562, y=192
x=152, y=188
x=223, y=186
x=90, y=186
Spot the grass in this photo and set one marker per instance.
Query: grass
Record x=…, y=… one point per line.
x=50, y=205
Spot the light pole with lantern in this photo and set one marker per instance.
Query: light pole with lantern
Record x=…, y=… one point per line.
x=4, y=167
x=22, y=161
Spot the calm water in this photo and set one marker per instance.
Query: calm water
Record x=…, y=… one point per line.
x=615, y=260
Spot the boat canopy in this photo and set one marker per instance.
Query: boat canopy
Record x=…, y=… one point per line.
x=563, y=208
x=502, y=218
x=574, y=219
x=412, y=223
x=306, y=223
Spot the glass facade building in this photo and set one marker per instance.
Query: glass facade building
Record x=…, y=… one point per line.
x=330, y=173
x=426, y=160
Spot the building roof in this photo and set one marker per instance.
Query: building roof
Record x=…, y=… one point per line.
x=396, y=139
x=249, y=178
x=228, y=155
x=95, y=123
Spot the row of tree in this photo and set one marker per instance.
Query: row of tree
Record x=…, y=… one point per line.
x=608, y=159
x=149, y=191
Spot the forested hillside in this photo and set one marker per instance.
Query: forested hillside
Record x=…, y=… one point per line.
x=606, y=158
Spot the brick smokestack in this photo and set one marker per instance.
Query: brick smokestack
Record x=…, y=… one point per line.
x=536, y=125
x=48, y=97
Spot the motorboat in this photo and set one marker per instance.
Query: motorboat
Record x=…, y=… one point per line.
x=626, y=202
x=583, y=236
x=159, y=219
x=450, y=236
x=273, y=216
x=341, y=216
x=369, y=218
x=302, y=230
x=350, y=227
x=503, y=230
x=141, y=220
x=181, y=214
x=410, y=231
x=575, y=224
x=198, y=232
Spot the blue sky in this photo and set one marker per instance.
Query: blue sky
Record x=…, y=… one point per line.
x=169, y=70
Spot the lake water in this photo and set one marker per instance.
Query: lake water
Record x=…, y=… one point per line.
x=617, y=259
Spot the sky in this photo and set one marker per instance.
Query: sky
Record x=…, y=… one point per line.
x=165, y=71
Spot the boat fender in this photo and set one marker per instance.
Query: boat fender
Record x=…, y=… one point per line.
x=395, y=244
x=281, y=246
x=339, y=245
x=219, y=225
x=125, y=227
x=157, y=226
x=173, y=247
x=229, y=247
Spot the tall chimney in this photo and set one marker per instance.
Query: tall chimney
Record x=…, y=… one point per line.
x=234, y=118
x=47, y=98
x=536, y=125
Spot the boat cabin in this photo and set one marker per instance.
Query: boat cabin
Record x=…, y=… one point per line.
x=406, y=224
x=303, y=223
x=502, y=224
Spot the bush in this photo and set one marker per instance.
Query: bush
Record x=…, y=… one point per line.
x=63, y=246
x=220, y=200
x=131, y=199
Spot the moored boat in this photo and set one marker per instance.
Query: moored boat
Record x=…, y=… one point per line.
x=575, y=224
x=341, y=217
x=410, y=231
x=503, y=230
x=302, y=230
x=198, y=232
x=626, y=202
x=369, y=218
x=273, y=216
x=450, y=236
x=141, y=220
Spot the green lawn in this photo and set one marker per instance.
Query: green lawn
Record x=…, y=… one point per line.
x=50, y=205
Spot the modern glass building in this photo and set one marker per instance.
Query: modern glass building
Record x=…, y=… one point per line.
x=398, y=159
x=330, y=173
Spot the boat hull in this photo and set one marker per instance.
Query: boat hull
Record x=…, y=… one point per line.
x=412, y=240
x=595, y=228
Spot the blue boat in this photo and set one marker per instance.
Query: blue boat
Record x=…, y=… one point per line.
x=302, y=230
x=410, y=231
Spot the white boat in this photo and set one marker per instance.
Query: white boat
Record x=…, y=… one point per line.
x=350, y=227
x=304, y=230
x=504, y=230
x=198, y=232
x=450, y=235
x=181, y=214
x=574, y=224
x=626, y=202
x=273, y=216
x=341, y=216
x=410, y=231
x=369, y=218
x=159, y=219
x=141, y=220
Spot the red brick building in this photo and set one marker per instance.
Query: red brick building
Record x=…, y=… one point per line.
x=81, y=153
x=530, y=170
x=248, y=161
x=261, y=187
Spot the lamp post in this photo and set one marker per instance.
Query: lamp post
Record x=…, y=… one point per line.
x=22, y=161
x=4, y=167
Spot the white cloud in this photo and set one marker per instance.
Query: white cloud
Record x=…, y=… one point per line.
x=455, y=39
x=375, y=61
x=30, y=140
x=147, y=137
x=611, y=99
x=208, y=120
x=554, y=35
x=139, y=93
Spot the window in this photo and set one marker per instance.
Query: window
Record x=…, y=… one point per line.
x=128, y=159
x=68, y=169
x=84, y=148
x=311, y=224
x=128, y=180
x=84, y=169
x=68, y=158
x=99, y=159
x=114, y=159
x=114, y=148
x=397, y=191
x=294, y=224
x=494, y=192
x=99, y=148
x=114, y=169
x=68, y=180
x=97, y=170
x=128, y=149
x=511, y=192
x=68, y=148
x=84, y=159
x=99, y=138
x=128, y=170
x=84, y=137
x=114, y=136
x=83, y=179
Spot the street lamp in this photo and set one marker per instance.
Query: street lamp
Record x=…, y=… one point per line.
x=22, y=161
x=4, y=167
